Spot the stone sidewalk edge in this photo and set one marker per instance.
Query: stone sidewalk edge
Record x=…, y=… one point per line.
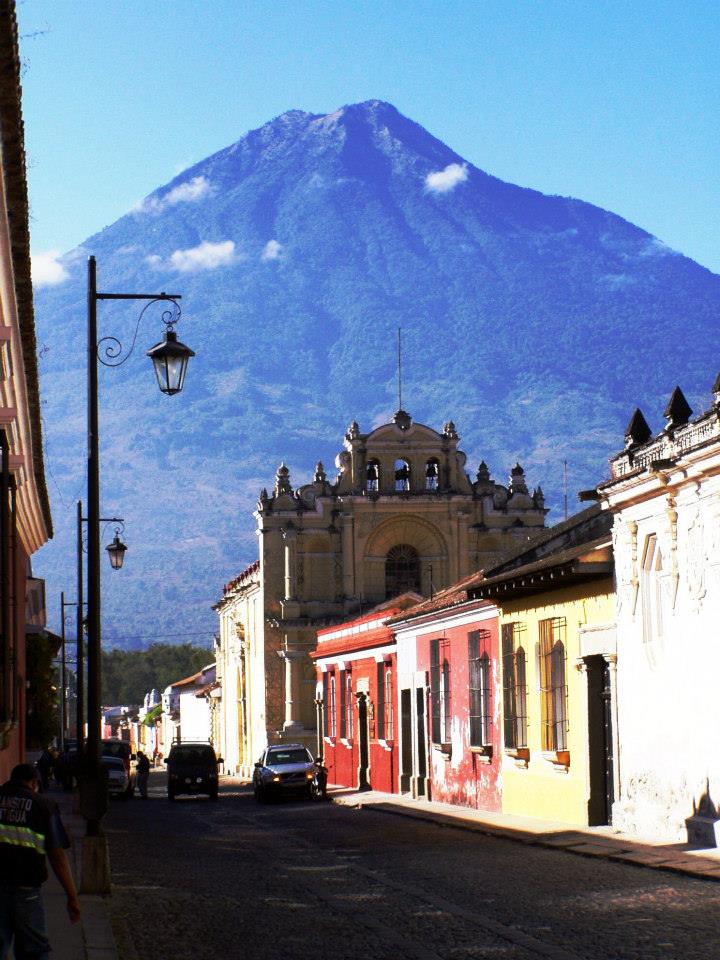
x=567, y=838
x=93, y=935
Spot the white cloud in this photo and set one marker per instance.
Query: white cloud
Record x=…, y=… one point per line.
x=443, y=181
x=188, y=192
x=154, y=260
x=47, y=271
x=206, y=256
x=271, y=250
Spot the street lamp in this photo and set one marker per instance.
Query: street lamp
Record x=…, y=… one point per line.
x=170, y=359
x=116, y=552
x=82, y=624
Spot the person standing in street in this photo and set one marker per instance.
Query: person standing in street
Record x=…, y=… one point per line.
x=30, y=831
x=143, y=772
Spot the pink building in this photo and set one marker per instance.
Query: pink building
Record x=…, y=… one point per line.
x=450, y=691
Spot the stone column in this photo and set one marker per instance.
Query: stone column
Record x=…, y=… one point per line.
x=293, y=669
x=290, y=538
x=611, y=660
x=348, y=563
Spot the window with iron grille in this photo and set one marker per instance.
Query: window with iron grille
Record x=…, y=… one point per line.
x=380, y=701
x=553, y=685
x=326, y=705
x=402, y=570
x=388, y=704
x=440, y=691
x=333, y=714
x=348, y=706
x=514, y=685
x=343, y=715
x=480, y=688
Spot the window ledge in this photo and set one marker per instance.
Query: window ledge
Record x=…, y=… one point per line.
x=560, y=759
x=483, y=753
x=521, y=756
x=346, y=742
x=444, y=748
x=329, y=740
x=385, y=744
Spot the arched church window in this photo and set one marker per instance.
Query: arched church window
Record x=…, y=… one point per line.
x=402, y=476
x=432, y=474
x=372, y=476
x=402, y=570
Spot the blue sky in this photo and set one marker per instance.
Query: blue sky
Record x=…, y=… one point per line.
x=617, y=103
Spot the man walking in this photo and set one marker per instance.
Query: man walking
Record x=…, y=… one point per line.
x=30, y=830
x=143, y=772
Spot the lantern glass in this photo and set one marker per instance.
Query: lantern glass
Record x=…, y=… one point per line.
x=170, y=359
x=116, y=552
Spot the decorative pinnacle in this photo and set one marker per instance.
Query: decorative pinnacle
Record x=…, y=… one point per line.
x=637, y=431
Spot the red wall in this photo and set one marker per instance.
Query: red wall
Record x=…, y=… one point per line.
x=15, y=751
x=342, y=756
x=466, y=778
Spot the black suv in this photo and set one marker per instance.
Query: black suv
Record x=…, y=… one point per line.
x=192, y=768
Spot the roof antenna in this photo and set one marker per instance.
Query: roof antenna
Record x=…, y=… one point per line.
x=565, y=487
x=399, y=365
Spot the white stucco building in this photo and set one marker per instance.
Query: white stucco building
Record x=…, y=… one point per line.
x=664, y=493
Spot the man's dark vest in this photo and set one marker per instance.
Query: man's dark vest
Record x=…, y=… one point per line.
x=24, y=823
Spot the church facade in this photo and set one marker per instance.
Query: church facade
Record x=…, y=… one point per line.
x=402, y=515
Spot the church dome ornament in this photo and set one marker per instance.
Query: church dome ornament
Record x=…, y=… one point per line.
x=403, y=420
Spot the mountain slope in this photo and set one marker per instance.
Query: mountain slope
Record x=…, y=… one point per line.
x=536, y=323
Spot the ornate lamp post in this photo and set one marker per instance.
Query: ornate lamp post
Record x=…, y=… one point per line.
x=170, y=359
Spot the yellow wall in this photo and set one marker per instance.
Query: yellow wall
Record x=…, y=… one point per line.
x=542, y=789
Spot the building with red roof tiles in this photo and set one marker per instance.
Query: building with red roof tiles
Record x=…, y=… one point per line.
x=356, y=698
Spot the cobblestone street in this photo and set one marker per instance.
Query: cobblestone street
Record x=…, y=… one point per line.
x=195, y=879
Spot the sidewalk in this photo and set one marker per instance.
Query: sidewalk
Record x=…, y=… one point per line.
x=585, y=841
x=92, y=938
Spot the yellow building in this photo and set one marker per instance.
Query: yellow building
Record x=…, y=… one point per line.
x=558, y=647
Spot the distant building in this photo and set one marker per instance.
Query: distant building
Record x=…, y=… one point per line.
x=664, y=496
x=186, y=712
x=25, y=522
x=402, y=515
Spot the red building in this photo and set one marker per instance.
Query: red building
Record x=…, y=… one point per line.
x=25, y=523
x=357, y=699
x=450, y=691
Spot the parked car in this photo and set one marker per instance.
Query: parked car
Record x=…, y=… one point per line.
x=118, y=779
x=192, y=768
x=121, y=749
x=282, y=769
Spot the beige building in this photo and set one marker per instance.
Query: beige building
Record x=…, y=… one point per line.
x=401, y=515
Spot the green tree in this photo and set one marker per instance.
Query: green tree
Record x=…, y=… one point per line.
x=127, y=675
x=43, y=721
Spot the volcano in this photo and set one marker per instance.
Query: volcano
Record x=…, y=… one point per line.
x=536, y=323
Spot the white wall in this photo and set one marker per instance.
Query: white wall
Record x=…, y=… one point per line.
x=668, y=705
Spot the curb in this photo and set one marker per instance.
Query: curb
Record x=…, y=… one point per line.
x=567, y=839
